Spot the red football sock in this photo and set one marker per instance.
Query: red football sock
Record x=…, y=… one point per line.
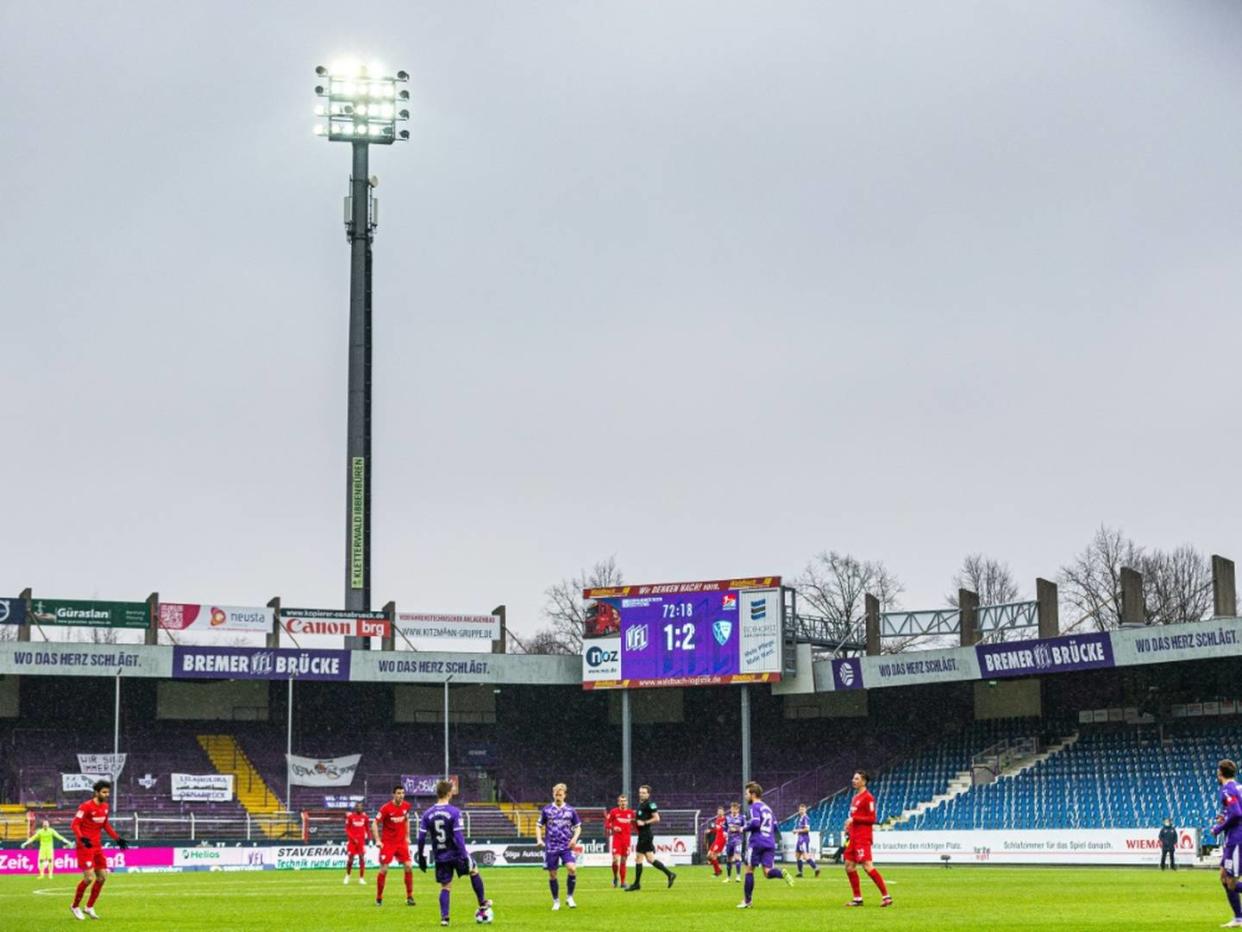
x=362, y=865
x=716, y=867
x=614, y=870
x=623, y=872
x=855, y=884
x=77, y=897
x=879, y=881
x=379, y=885
x=349, y=865
x=95, y=888
x=409, y=885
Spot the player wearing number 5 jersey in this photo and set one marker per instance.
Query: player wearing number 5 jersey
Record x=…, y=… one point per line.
x=391, y=831
x=441, y=826
x=858, y=848
x=762, y=828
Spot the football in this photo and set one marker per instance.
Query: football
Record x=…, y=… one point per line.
x=483, y=915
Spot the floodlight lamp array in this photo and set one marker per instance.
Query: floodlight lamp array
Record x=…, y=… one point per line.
x=361, y=103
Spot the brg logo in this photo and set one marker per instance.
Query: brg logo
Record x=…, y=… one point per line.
x=636, y=638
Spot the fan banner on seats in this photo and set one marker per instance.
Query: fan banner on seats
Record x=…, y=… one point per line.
x=322, y=771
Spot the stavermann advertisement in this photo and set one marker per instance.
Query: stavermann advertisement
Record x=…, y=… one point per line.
x=1030, y=846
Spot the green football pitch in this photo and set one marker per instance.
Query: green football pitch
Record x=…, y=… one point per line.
x=926, y=898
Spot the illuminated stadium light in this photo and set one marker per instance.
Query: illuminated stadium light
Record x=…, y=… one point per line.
x=357, y=104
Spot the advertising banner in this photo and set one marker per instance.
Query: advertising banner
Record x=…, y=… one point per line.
x=435, y=667
x=322, y=771
x=847, y=673
x=80, y=782
x=202, y=787
x=342, y=802
x=425, y=626
x=423, y=784
x=1197, y=640
x=85, y=659
x=111, y=764
x=185, y=616
x=1052, y=655
x=1030, y=846
x=89, y=613
x=918, y=667
x=224, y=859
x=12, y=611
x=310, y=857
x=257, y=663
x=714, y=585
x=601, y=662
x=330, y=621
x=26, y=860
x=760, y=620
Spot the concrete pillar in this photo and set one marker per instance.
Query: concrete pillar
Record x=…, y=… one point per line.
x=872, y=616
x=500, y=647
x=390, y=612
x=273, y=636
x=968, y=606
x=1133, y=611
x=153, y=618
x=1224, y=592
x=23, y=631
x=1049, y=614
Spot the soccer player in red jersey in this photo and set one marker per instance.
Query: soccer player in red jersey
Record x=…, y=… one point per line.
x=391, y=831
x=88, y=827
x=858, y=848
x=716, y=841
x=619, y=825
x=357, y=830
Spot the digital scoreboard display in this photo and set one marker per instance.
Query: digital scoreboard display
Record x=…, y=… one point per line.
x=683, y=634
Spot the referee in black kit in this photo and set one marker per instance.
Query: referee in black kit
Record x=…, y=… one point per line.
x=647, y=816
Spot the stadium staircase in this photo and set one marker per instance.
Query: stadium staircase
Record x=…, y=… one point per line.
x=253, y=793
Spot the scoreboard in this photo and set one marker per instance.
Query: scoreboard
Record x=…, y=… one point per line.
x=683, y=634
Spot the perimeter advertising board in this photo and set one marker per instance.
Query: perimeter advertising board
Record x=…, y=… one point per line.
x=1030, y=846
x=683, y=634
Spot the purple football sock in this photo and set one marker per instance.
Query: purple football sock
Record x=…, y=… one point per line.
x=570, y=884
x=555, y=886
x=444, y=904
x=748, y=887
x=476, y=883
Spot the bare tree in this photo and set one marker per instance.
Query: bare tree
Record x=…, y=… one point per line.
x=1091, y=582
x=543, y=641
x=565, y=609
x=834, y=585
x=1177, y=585
x=989, y=579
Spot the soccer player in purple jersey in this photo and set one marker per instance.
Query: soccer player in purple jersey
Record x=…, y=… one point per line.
x=802, y=846
x=441, y=825
x=735, y=841
x=762, y=828
x=557, y=830
x=1228, y=828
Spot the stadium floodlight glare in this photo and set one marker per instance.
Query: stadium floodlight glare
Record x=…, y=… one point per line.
x=357, y=105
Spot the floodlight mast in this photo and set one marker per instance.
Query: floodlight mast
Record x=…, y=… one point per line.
x=362, y=105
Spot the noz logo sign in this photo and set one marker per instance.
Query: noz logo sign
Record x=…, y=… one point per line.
x=597, y=656
x=636, y=638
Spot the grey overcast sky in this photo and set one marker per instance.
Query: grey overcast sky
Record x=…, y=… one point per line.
x=710, y=286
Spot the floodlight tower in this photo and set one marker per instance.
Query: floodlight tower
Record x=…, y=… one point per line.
x=363, y=106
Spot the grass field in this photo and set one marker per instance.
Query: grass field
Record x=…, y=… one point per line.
x=927, y=898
